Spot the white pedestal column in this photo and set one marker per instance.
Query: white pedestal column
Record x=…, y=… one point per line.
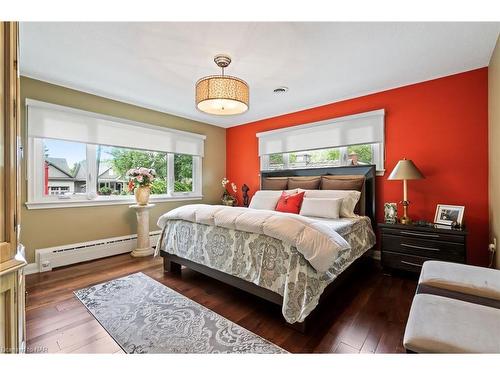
x=143, y=244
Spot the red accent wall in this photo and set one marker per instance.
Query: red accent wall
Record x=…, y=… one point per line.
x=442, y=125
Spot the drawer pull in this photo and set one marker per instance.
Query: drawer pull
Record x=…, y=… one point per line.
x=419, y=234
x=411, y=263
x=420, y=247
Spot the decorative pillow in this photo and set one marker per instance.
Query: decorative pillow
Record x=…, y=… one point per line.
x=265, y=199
x=274, y=183
x=349, y=199
x=304, y=182
x=347, y=182
x=290, y=203
x=321, y=207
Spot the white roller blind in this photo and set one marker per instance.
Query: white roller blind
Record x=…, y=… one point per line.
x=47, y=120
x=362, y=128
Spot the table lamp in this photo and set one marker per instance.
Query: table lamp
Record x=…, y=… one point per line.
x=405, y=170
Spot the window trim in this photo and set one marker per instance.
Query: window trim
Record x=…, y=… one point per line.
x=107, y=201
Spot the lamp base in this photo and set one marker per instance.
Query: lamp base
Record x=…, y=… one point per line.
x=405, y=220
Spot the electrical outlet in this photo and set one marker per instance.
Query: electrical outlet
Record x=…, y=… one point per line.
x=493, y=246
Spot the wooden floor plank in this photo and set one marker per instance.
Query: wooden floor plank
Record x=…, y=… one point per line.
x=367, y=315
x=104, y=344
x=344, y=348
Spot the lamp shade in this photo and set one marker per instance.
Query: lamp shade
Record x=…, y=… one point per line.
x=222, y=95
x=405, y=170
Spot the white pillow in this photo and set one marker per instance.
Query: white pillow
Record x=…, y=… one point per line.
x=321, y=207
x=265, y=199
x=349, y=199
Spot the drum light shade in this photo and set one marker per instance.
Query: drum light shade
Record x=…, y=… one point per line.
x=222, y=94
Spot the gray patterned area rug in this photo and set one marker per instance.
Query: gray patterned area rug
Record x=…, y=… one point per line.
x=144, y=316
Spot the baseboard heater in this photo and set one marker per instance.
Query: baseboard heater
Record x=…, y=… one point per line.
x=59, y=256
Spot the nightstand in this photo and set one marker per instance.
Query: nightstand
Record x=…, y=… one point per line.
x=407, y=247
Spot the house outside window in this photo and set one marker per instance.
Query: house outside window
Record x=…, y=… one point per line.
x=58, y=190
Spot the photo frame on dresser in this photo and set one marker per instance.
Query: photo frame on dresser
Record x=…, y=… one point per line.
x=448, y=214
x=390, y=213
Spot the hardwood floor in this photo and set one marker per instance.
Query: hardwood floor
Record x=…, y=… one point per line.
x=366, y=315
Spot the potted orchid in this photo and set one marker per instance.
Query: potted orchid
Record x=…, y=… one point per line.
x=139, y=182
x=229, y=199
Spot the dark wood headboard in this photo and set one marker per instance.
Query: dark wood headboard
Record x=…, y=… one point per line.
x=363, y=170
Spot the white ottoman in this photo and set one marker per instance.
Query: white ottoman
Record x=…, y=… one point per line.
x=462, y=278
x=442, y=325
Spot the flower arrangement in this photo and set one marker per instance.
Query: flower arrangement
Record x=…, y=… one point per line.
x=228, y=198
x=140, y=177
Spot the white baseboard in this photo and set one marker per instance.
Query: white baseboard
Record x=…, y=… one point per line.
x=53, y=257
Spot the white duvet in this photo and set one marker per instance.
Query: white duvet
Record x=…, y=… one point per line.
x=318, y=242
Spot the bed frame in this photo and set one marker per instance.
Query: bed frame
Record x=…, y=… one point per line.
x=173, y=263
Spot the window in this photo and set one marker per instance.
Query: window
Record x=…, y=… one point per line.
x=328, y=157
x=83, y=165
x=61, y=165
x=114, y=162
x=349, y=140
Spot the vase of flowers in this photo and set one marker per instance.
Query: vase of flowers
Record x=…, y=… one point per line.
x=227, y=198
x=139, y=182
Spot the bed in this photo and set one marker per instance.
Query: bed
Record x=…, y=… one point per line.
x=268, y=264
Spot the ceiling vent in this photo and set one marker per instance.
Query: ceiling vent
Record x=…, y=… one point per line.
x=280, y=90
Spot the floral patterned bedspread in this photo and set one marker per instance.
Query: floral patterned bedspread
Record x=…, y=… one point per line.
x=266, y=261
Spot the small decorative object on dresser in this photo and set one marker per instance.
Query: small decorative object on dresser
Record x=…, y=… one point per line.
x=449, y=215
x=246, y=199
x=390, y=213
x=227, y=198
x=139, y=182
x=405, y=170
x=407, y=247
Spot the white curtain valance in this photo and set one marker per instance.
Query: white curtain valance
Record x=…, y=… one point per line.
x=47, y=120
x=362, y=128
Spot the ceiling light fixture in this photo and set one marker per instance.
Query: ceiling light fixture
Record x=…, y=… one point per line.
x=221, y=94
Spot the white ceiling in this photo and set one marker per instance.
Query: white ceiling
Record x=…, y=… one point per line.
x=156, y=65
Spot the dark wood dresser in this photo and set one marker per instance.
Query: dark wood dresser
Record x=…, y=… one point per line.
x=407, y=247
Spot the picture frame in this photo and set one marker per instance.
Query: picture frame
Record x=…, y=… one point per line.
x=448, y=214
x=390, y=213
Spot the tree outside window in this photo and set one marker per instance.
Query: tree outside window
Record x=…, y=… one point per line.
x=183, y=172
x=122, y=159
x=364, y=152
